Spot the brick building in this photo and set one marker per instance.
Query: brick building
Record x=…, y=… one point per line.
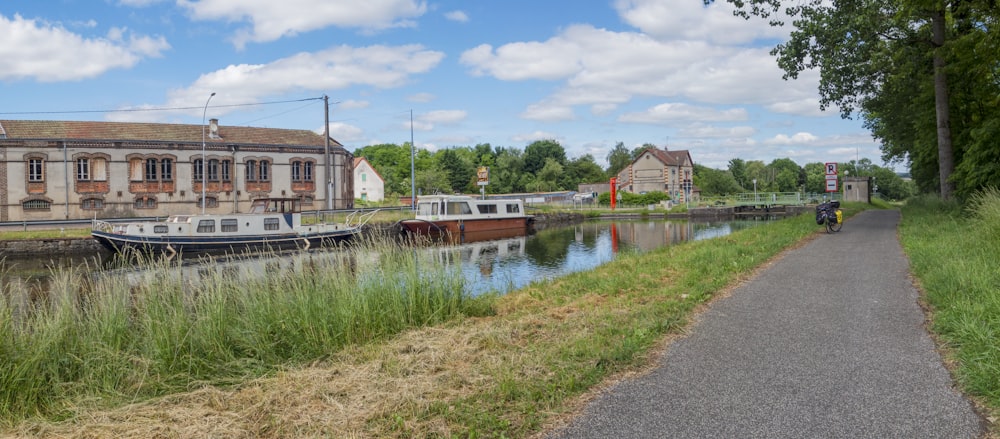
x=73, y=169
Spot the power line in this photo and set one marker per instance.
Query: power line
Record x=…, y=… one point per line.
x=132, y=110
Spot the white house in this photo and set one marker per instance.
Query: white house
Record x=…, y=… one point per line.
x=368, y=184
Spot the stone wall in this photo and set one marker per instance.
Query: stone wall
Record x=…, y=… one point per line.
x=52, y=246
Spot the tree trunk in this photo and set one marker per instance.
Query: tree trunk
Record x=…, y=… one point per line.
x=946, y=161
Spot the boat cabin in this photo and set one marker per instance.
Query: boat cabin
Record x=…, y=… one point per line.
x=463, y=206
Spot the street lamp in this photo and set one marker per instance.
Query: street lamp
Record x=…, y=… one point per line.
x=204, y=166
x=755, y=191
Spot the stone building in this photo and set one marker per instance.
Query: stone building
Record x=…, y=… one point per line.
x=660, y=170
x=72, y=169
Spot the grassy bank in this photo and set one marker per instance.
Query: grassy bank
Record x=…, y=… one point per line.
x=133, y=335
x=502, y=375
x=954, y=252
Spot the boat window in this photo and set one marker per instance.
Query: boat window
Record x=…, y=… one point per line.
x=229, y=225
x=160, y=229
x=426, y=208
x=271, y=224
x=206, y=226
x=487, y=208
x=461, y=208
x=513, y=208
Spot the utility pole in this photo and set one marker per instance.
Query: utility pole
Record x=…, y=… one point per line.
x=326, y=140
x=413, y=176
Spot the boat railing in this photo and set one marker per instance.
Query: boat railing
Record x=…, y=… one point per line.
x=359, y=218
x=101, y=226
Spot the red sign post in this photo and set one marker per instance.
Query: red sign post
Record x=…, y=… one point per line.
x=614, y=182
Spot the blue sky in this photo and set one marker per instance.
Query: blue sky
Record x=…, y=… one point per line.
x=588, y=74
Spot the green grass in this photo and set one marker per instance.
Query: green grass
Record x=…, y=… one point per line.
x=139, y=334
x=45, y=234
x=954, y=252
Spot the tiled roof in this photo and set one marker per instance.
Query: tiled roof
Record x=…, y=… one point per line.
x=358, y=160
x=156, y=132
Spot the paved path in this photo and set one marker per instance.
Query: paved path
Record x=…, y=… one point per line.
x=828, y=342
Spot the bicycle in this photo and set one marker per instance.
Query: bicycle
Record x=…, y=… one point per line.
x=829, y=213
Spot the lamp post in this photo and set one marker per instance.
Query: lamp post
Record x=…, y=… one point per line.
x=755, y=191
x=204, y=166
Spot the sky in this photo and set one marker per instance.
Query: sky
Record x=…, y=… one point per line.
x=585, y=73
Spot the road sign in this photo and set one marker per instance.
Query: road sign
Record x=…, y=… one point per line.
x=831, y=184
x=831, y=169
x=483, y=175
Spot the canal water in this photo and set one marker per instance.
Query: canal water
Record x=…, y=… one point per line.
x=498, y=265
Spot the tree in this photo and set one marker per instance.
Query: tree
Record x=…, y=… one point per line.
x=583, y=169
x=618, y=159
x=738, y=169
x=854, y=44
x=536, y=153
x=714, y=181
x=460, y=170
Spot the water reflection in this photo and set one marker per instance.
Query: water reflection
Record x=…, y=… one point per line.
x=499, y=265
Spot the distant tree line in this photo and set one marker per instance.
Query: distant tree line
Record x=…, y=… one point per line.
x=543, y=167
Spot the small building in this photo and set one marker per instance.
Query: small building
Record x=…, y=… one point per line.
x=368, y=184
x=660, y=170
x=857, y=189
x=75, y=169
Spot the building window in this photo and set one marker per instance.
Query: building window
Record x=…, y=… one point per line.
x=206, y=226
x=271, y=224
x=83, y=169
x=296, y=171
x=307, y=201
x=36, y=205
x=210, y=202
x=150, y=170
x=264, y=170
x=213, y=170
x=364, y=177
x=145, y=203
x=251, y=170
x=307, y=171
x=36, y=172
x=167, y=169
x=258, y=170
x=198, y=170
x=92, y=204
x=230, y=225
x=226, y=167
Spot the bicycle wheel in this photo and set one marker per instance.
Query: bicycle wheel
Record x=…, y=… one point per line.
x=832, y=225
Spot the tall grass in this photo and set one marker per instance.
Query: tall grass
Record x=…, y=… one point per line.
x=953, y=251
x=165, y=328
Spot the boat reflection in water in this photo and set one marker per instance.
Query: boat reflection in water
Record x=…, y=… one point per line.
x=507, y=264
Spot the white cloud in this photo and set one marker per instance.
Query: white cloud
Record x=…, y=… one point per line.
x=444, y=116
x=271, y=20
x=672, y=112
x=343, y=132
x=458, y=16
x=335, y=68
x=795, y=139
x=531, y=137
x=598, y=66
x=692, y=20
x=544, y=112
x=702, y=131
x=427, y=121
x=421, y=97
x=351, y=104
x=49, y=53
